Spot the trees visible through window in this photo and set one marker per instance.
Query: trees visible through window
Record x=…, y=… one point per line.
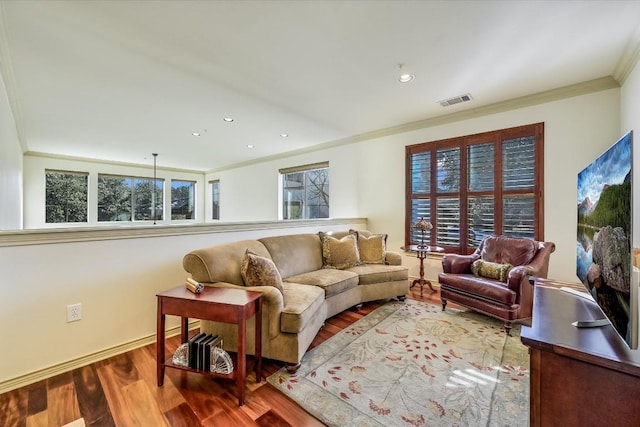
x=122, y=198
x=478, y=185
x=182, y=199
x=305, y=191
x=215, y=199
x=66, y=196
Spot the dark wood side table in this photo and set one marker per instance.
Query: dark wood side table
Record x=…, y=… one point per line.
x=421, y=252
x=221, y=305
x=579, y=376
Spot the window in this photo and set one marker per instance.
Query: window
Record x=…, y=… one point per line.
x=305, y=191
x=66, y=196
x=215, y=199
x=182, y=199
x=121, y=197
x=475, y=186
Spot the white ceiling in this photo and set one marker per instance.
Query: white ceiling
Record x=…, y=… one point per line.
x=117, y=81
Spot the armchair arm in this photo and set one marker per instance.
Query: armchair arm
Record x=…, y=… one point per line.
x=458, y=264
x=538, y=267
x=517, y=275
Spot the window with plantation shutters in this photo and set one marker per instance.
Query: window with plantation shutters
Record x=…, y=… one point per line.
x=475, y=186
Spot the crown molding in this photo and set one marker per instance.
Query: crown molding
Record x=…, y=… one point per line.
x=108, y=162
x=591, y=86
x=628, y=60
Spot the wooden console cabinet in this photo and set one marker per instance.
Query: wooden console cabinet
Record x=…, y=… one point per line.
x=579, y=377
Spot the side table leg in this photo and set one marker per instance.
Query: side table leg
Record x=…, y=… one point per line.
x=419, y=283
x=160, y=344
x=258, y=338
x=184, y=330
x=241, y=374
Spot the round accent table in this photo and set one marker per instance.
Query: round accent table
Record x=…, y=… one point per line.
x=421, y=253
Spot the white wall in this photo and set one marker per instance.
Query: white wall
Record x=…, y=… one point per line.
x=250, y=193
x=10, y=167
x=630, y=120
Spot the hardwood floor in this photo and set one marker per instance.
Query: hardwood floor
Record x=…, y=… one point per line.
x=122, y=391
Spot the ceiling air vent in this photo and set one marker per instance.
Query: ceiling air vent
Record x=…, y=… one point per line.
x=456, y=100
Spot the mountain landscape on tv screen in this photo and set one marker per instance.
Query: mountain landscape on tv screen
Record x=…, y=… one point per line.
x=604, y=232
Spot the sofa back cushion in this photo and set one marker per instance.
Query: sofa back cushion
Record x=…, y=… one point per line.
x=221, y=263
x=295, y=253
x=508, y=250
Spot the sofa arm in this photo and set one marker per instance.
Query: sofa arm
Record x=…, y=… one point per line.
x=393, y=258
x=458, y=264
x=272, y=303
x=270, y=294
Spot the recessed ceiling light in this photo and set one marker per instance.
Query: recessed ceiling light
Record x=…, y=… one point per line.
x=284, y=135
x=228, y=119
x=249, y=145
x=195, y=133
x=406, y=78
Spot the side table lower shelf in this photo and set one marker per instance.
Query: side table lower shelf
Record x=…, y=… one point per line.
x=250, y=365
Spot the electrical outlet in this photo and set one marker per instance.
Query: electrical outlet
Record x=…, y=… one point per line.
x=74, y=312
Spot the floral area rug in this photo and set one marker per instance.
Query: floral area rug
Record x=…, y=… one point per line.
x=411, y=364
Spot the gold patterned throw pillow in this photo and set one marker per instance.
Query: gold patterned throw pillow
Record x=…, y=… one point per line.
x=340, y=253
x=259, y=271
x=491, y=270
x=373, y=248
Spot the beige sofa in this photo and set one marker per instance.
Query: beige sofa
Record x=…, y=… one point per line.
x=311, y=290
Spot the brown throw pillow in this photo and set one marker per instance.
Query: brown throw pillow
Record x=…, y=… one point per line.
x=259, y=271
x=491, y=270
x=340, y=253
x=373, y=248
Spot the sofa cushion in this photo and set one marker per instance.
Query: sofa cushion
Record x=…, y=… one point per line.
x=373, y=248
x=340, y=253
x=491, y=270
x=508, y=250
x=301, y=302
x=295, y=254
x=377, y=273
x=332, y=281
x=259, y=271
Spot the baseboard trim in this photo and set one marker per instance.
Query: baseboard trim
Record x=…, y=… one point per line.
x=51, y=371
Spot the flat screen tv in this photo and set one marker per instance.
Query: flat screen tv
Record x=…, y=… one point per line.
x=604, y=239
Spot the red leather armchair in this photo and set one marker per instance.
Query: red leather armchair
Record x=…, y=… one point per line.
x=510, y=301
